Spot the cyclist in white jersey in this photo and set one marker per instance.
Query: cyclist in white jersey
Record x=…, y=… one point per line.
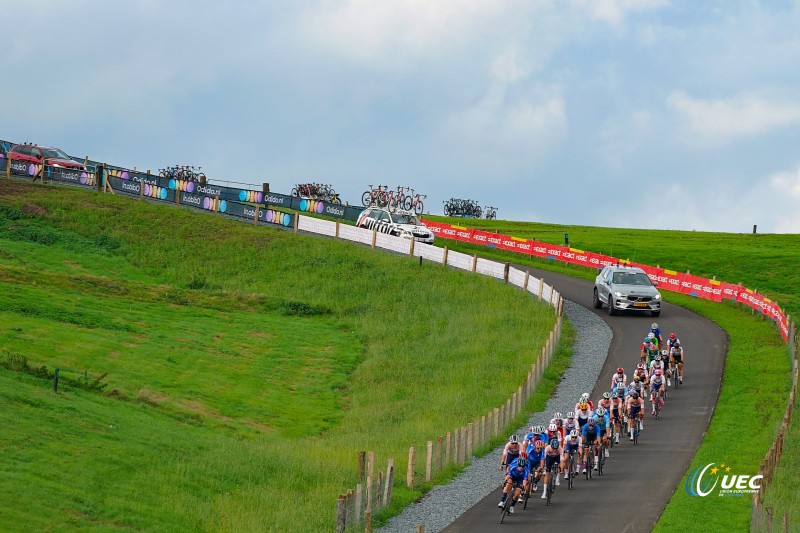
x=619, y=379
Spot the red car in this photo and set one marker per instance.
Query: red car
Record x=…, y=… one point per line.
x=37, y=154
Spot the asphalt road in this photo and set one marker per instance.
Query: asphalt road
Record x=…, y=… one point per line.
x=637, y=481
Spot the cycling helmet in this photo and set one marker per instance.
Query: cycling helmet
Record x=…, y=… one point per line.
x=650, y=335
x=620, y=370
x=522, y=463
x=513, y=439
x=554, y=443
x=607, y=395
x=657, y=357
x=573, y=434
x=601, y=411
x=552, y=427
x=523, y=455
x=570, y=415
x=591, y=421
x=583, y=406
x=676, y=344
x=635, y=395
x=533, y=429
x=636, y=378
x=558, y=415
x=585, y=397
x=640, y=366
x=664, y=352
x=658, y=372
x=539, y=444
x=653, y=326
x=539, y=429
x=672, y=336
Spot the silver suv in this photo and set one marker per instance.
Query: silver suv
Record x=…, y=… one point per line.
x=625, y=288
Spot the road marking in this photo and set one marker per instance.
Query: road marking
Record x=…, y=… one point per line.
x=700, y=411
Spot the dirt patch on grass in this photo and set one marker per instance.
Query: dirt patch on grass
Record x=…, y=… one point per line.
x=35, y=210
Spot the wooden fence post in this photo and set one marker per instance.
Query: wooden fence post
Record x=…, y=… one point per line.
x=444, y=256
x=429, y=461
x=468, y=446
x=411, y=247
x=359, y=501
x=483, y=430
x=341, y=514
x=296, y=221
x=362, y=465
x=447, y=448
x=525, y=283
x=336, y=236
x=439, y=453
x=410, y=472
x=387, y=489
x=457, y=446
x=541, y=288
x=474, y=262
x=506, y=269
x=374, y=237
x=496, y=421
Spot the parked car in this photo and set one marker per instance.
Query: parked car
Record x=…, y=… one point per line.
x=400, y=224
x=56, y=157
x=624, y=288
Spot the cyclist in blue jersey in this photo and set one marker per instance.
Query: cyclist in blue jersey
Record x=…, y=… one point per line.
x=589, y=437
x=536, y=462
x=602, y=420
x=516, y=478
x=656, y=331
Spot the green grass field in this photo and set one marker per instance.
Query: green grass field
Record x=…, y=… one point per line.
x=756, y=380
x=213, y=373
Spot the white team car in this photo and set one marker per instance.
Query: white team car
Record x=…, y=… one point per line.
x=400, y=224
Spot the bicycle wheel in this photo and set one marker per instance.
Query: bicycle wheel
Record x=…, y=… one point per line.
x=527, y=495
x=418, y=207
x=601, y=460
x=506, y=505
x=636, y=430
x=571, y=471
x=366, y=198
x=551, y=486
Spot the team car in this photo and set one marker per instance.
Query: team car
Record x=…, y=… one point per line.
x=400, y=224
x=624, y=288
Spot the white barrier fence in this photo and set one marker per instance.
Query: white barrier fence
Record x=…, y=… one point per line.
x=354, y=509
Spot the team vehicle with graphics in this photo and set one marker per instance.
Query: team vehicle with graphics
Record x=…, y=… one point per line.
x=400, y=224
x=624, y=288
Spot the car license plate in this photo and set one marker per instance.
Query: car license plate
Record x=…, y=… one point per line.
x=639, y=304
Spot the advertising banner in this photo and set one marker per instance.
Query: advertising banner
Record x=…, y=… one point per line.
x=669, y=280
x=69, y=175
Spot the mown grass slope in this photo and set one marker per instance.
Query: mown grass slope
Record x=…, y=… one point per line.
x=213, y=372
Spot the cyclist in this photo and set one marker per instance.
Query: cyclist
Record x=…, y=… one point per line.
x=589, y=435
x=657, y=364
x=604, y=402
x=635, y=409
x=552, y=433
x=617, y=406
x=558, y=420
x=641, y=371
x=656, y=331
x=676, y=355
x=536, y=462
x=516, y=478
x=636, y=386
x=552, y=455
x=583, y=414
x=571, y=445
x=584, y=399
x=619, y=378
x=655, y=386
x=510, y=452
x=534, y=434
x=651, y=352
x=601, y=420
x=648, y=340
x=571, y=423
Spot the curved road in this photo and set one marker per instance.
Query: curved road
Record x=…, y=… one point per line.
x=626, y=499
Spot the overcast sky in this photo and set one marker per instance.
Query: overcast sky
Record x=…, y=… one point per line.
x=625, y=113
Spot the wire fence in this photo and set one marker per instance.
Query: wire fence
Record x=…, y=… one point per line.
x=762, y=517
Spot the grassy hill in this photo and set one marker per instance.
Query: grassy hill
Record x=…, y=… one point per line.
x=213, y=373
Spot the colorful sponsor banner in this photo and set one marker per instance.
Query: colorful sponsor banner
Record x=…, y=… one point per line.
x=23, y=168
x=69, y=175
x=669, y=280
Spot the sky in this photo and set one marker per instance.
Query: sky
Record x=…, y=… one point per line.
x=658, y=114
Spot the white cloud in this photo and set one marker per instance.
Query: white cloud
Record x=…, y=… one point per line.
x=369, y=31
x=787, y=182
x=525, y=126
x=614, y=11
x=730, y=118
